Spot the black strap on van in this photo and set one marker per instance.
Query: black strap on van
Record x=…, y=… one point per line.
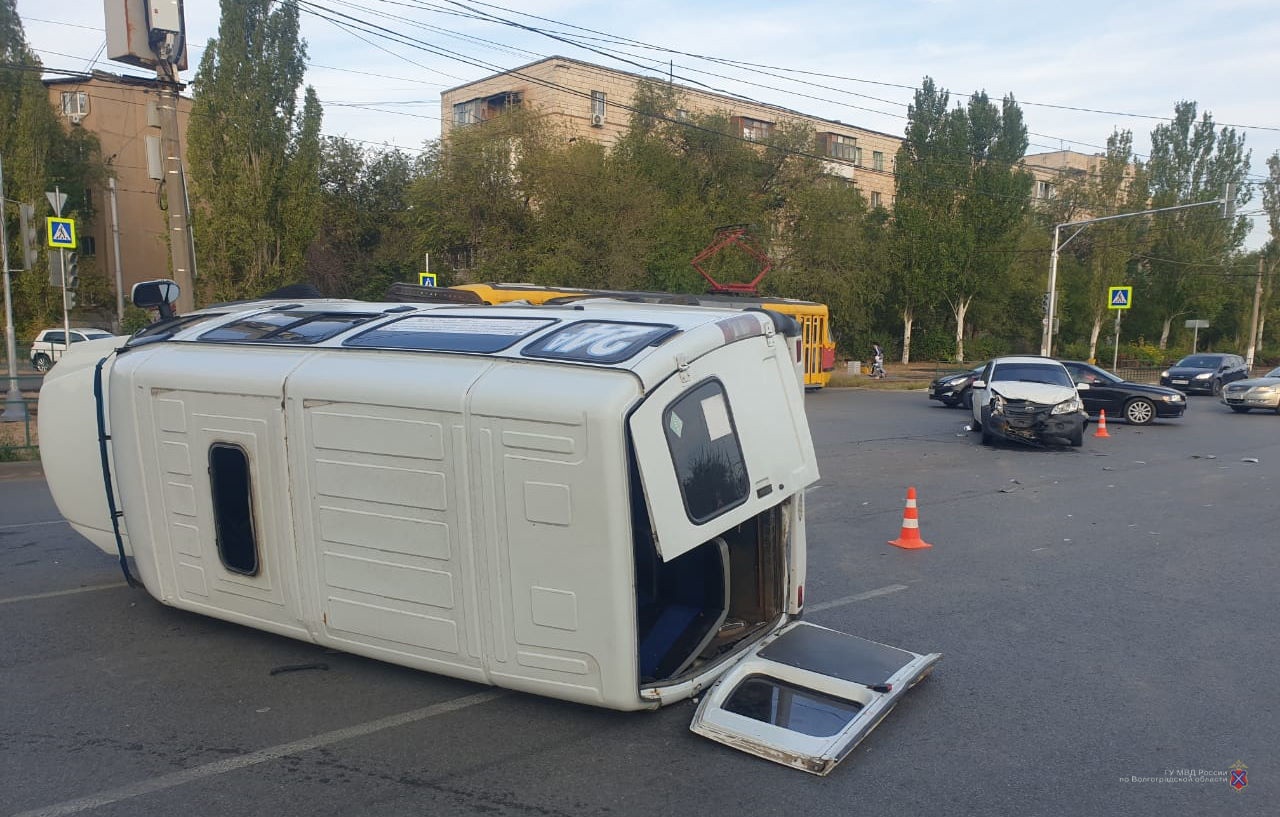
x=106, y=471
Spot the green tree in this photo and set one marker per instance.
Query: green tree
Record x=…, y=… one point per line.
x=1191, y=161
x=39, y=155
x=1271, y=252
x=254, y=153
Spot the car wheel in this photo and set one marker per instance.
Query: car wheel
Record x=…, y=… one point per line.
x=987, y=437
x=967, y=401
x=1242, y=409
x=41, y=363
x=1139, y=412
x=1217, y=387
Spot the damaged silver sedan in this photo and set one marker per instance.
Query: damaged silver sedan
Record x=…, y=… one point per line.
x=1030, y=400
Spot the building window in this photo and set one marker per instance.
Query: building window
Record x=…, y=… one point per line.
x=1046, y=190
x=233, y=508
x=597, y=105
x=754, y=129
x=475, y=111
x=682, y=115
x=88, y=245
x=75, y=103
x=876, y=200
x=877, y=160
x=839, y=146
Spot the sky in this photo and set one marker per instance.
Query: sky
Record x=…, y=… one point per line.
x=1079, y=71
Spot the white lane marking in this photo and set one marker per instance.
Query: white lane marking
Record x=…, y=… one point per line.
x=55, y=593
x=231, y=764
x=33, y=524
x=870, y=594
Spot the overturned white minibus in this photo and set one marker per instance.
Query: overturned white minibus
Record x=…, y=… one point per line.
x=601, y=502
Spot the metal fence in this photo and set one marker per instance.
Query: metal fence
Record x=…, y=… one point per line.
x=18, y=438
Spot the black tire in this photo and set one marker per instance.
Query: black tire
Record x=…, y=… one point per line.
x=41, y=363
x=1139, y=411
x=987, y=437
x=1217, y=388
x=1242, y=409
x=966, y=400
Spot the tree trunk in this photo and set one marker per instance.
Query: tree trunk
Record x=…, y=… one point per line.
x=1094, y=331
x=907, y=319
x=960, y=308
x=1164, y=333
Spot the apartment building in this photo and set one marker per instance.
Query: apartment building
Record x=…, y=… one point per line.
x=1053, y=168
x=593, y=102
x=121, y=112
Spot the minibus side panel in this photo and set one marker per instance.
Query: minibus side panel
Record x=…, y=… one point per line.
x=553, y=514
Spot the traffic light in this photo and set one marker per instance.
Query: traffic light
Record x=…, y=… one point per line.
x=30, y=231
x=71, y=299
x=73, y=271
x=55, y=268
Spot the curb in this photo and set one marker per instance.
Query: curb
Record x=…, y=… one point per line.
x=21, y=470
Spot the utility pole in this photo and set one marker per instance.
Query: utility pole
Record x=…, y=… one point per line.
x=15, y=408
x=115, y=241
x=1046, y=338
x=1253, y=325
x=181, y=246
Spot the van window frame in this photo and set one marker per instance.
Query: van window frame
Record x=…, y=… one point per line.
x=221, y=506
x=669, y=430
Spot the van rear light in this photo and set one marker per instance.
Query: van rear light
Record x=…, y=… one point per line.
x=800, y=596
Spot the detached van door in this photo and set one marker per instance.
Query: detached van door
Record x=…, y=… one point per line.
x=722, y=441
x=806, y=696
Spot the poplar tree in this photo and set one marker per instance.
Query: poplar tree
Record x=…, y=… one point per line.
x=254, y=153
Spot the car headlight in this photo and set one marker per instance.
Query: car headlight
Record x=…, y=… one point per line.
x=1265, y=391
x=997, y=404
x=1165, y=373
x=1204, y=376
x=1173, y=398
x=1068, y=406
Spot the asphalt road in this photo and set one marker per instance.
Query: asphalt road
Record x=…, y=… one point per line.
x=1106, y=613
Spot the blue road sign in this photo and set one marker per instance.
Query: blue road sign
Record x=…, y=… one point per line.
x=61, y=233
x=427, y=279
x=1119, y=297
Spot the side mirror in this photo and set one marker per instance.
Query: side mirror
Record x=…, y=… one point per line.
x=161, y=294
x=1082, y=387
x=979, y=384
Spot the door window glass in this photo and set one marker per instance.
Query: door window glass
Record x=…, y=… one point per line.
x=233, y=509
x=706, y=452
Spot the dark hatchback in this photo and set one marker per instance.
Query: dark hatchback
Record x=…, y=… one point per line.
x=1136, y=403
x=1206, y=373
x=953, y=389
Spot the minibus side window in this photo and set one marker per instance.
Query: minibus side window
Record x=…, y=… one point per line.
x=706, y=452
x=233, y=508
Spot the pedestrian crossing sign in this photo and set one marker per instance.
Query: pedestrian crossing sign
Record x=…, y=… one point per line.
x=427, y=279
x=62, y=233
x=1119, y=297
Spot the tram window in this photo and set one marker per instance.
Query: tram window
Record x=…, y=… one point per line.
x=233, y=508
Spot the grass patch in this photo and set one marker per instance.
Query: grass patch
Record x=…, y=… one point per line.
x=890, y=383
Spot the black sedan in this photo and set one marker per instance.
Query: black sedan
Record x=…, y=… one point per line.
x=1137, y=403
x=1205, y=372
x=952, y=389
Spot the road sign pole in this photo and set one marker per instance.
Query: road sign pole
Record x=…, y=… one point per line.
x=62, y=256
x=1115, y=351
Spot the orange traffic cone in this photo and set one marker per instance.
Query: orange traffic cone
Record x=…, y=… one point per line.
x=1102, y=424
x=909, y=538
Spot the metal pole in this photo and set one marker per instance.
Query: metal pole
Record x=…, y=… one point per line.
x=1115, y=352
x=115, y=239
x=1253, y=326
x=62, y=258
x=15, y=408
x=1195, y=337
x=1046, y=342
x=180, y=243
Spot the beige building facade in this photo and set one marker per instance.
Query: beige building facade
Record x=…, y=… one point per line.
x=121, y=112
x=593, y=102
x=1053, y=168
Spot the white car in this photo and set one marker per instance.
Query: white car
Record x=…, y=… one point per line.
x=1028, y=400
x=49, y=345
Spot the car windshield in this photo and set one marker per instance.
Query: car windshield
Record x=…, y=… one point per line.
x=94, y=335
x=1200, y=361
x=1273, y=373
x=1052, y=374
